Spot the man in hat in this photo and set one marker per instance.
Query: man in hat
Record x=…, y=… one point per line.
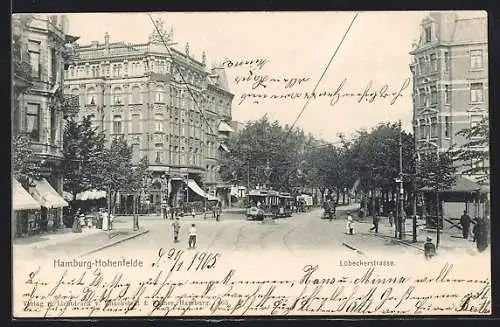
x=192, y=237
x=429, y=248
x=465, y=221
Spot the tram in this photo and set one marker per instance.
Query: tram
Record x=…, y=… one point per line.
x=286, y=203
x=262, y=203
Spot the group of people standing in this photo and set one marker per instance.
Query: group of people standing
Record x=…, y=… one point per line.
x=192, y=233
x=479, y=231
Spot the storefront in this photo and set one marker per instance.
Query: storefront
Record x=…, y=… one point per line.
x=25, y=209
x=50, y=201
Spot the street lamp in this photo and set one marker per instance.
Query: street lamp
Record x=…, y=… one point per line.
x=267, y=173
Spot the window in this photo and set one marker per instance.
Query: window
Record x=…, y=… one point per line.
x=34, y=52
x=433, y=59
x=423, y=134
x=159, y=94
x=87, y=71
x=475, y=120
x=447, y=126
x=433, y=95
x=476, y=59
x=427, y=34
x=161, y=67
x=136, y=155
x=476, y=92
x=53, y=126
x=175, y=155
x=136, y=123
x=91, y=96
x=117, y=124
x=136, y=94
x=158, y=122
x=447, y=94
x=72, y=72
x=33, y=121
x=434, y=127
x=421, y=65
x=53, y=63
x=159, y=152
x=117, y=96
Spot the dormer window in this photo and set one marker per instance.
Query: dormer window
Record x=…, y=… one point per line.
x=427, y=34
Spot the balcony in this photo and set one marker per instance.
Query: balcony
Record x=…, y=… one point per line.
x=47, y=150
x=22, y=69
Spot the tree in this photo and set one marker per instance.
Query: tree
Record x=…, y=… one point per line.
x=257, y=144
x=436, y=171
x=136, y=184
x=25, y=167
x=116, y=169
x=475, y=150
x=83, y=150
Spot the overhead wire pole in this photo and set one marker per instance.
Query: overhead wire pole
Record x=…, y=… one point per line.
x=174, y=64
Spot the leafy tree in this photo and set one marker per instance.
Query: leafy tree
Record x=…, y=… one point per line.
x=116, y=168
x=476, y=149
x=83, y=150
x=24, y=164
x=257, y=144
x=436, y=172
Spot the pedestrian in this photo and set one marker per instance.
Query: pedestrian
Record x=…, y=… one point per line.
x=376, y=220
x=429, y=248
x=391, y=218
x=172, y=213
x=193, y=213
x=192, y=236
x=205, y=212
x=350, y=224
x=177, y=227
x=167, y=211
x=465, y=221
x=481, y=234
x=218, y=211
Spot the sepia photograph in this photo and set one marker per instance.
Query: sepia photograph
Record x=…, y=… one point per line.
x=228, y=164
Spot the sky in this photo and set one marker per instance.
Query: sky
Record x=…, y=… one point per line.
x=374, y=51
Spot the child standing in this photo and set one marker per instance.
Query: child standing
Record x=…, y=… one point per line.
x=192, y=237
x=177, y=228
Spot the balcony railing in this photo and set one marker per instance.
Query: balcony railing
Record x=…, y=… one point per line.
x=22, y=69
x=46, y=149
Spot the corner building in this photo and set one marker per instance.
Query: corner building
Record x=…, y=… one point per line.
x=135, y=92
x=450, y=81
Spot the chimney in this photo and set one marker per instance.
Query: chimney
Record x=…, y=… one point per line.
x=94, y=44
x=204, y=58
x=106, y=39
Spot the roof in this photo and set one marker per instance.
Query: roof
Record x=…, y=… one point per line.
x=471, y=29
x=461, y=185
x=219, y=79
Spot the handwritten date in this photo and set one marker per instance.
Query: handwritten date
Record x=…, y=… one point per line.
x=178, y=260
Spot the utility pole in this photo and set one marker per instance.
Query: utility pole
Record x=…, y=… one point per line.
x=438, y=227
x=401, y=190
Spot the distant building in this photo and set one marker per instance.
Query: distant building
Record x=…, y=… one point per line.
x=41, y=48
x=450, y=80
x=135, y=92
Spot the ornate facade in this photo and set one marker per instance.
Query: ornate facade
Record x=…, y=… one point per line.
x=41, y=49
x=144, y=94
x=450, y=74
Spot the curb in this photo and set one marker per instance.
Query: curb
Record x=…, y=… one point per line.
x=396, y=240
x=352, y=248
x=115, y=243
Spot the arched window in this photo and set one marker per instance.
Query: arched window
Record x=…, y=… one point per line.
x=158, y=122
x=159, y=95
x=91, y=96
x=117, y=96
x=117, y=124
x=136, y=94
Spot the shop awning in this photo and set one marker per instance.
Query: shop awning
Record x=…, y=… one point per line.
x=195, y=188
x=46, y=195
x=21, y=199
x=224, y=127
x=91, y=195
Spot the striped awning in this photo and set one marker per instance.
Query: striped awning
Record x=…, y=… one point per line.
x=46, y=195
x=21, y=199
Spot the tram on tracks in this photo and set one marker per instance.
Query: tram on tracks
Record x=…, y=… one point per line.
x=263, y=203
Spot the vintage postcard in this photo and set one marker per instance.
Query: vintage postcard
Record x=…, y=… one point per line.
x=250, y=163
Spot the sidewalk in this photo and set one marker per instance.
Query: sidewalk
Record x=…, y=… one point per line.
x=65, y=242
x=451, y=241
